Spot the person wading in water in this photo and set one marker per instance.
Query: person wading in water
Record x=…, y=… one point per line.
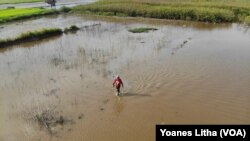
x=117, y=84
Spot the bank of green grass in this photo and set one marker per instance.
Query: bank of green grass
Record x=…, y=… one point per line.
x=247, y=20
x=31, y=36
x=18, y=1
x=7, y=15
x=214, y=11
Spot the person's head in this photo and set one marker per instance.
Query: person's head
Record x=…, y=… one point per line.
x=117, y=77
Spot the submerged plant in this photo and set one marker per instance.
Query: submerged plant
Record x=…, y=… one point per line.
x=141, y=30
x=72, y=28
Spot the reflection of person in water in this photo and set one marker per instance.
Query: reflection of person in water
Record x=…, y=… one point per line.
x=117, y=83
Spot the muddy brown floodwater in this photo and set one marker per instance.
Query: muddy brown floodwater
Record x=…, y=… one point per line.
x=183, y=73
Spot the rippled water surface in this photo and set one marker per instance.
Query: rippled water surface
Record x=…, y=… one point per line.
x=192, y=73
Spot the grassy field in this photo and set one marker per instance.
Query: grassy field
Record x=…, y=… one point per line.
x=18, y=1
x=7, y=15
x=215, y=11
x=30, y=36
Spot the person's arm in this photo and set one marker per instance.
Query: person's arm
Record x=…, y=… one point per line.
x=121, y=83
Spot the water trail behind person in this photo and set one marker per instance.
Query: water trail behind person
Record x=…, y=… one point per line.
x=118, y=83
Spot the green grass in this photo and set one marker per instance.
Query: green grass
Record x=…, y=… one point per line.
x=141, y=30
x=214, y=11
x=7, y=15
x=247, y=20
x=30, y=36
x=65, y=9
x=18, y=1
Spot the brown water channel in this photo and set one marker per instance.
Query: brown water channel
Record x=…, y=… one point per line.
x=183, y=73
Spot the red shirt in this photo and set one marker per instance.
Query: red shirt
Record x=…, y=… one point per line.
x=117, y=82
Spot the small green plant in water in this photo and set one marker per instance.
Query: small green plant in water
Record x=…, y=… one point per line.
x=142, y=30
x=72, y=28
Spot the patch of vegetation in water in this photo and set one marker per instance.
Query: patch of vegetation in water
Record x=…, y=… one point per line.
x=37, y=35
x=31, y=36
x=142, y=30
x=71, y=29
x=213, y=11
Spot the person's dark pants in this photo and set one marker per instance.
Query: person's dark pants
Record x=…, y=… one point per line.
x=118, y=89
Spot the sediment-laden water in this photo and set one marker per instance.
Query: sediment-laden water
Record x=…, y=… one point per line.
x=182, y=73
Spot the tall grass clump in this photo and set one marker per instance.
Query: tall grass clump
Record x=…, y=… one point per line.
x=31, y=36
x=247, y=20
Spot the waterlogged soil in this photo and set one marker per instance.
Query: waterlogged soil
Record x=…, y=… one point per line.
x=182, y=73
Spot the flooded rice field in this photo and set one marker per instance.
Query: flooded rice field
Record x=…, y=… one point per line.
x=182, y=73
